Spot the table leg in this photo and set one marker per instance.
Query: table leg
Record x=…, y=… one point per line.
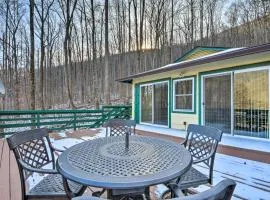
x=129, y=196
x=109, y=194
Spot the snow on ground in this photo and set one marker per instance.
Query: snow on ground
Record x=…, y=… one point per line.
x=253, y=178
x=101, y=133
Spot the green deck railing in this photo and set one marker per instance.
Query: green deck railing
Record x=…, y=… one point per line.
x=12, y=121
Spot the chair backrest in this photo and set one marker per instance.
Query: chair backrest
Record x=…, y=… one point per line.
x=33, y=147
x=202, y=141
x=119, y=127
x=222, y=191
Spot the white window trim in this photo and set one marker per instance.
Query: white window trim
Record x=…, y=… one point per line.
x=175, y=95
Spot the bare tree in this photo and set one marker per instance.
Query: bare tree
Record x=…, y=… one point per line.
x=68, y=8
x=32, y=55
x=107, y=99
x=77, y=48
x=42, y=15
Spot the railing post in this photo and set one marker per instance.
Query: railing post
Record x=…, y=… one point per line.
x=74, y=121
x=38, y=120
x=103, y=116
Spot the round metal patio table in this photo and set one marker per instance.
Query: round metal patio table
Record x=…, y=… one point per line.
x=107, y=163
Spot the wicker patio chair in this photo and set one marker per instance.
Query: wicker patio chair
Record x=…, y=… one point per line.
x=202, y=143
x=222, y=191
x=34, y=153
x=119, y=127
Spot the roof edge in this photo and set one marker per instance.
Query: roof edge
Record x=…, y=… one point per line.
x=212, y=58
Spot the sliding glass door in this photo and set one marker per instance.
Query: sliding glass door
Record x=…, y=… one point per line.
x=154, y=103
x=251, y=103
x=147, y=103
x=217, y=102
x=237, y=102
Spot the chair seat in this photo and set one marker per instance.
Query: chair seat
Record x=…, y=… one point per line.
x=193, y=178
x=52, y=185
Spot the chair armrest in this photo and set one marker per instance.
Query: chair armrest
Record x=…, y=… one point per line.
x=32, y=169
x=56, y=149
x=184, y=142
x=203, y=159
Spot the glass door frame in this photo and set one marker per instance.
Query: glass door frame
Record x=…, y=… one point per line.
x=153, y=94
x=232, y=72
x=203, y=96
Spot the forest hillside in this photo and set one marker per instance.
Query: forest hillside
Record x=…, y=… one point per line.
x=68, y=53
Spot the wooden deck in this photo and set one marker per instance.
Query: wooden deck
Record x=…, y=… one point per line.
x=9, y=176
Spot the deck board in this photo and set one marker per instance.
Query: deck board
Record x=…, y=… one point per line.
x=10, y=183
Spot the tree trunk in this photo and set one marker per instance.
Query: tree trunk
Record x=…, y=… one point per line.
x=107, y=99
x=32, y=55
x=42, y=55
x=171, y=36
x=201, y=22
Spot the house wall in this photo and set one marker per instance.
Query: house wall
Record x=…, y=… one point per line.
x=180, y=120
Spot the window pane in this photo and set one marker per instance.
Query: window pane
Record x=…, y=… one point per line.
x=146, y=103
x=161, y=103
x=183, y=87
x=251, y=103
x=183, y=102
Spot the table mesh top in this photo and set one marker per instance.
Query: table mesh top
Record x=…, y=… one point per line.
x=109, y=157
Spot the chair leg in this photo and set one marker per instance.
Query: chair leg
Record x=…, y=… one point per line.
x=185, y=192
x=69, y=192
x=172, y=194
x=98, y=193
x=81, y=191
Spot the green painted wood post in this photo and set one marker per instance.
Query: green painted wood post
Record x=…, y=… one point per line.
x=74, y=121
x=38, y=120
x=103, y=116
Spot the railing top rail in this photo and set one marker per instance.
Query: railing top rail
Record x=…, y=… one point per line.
x=117, y=106
x=18, y=112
